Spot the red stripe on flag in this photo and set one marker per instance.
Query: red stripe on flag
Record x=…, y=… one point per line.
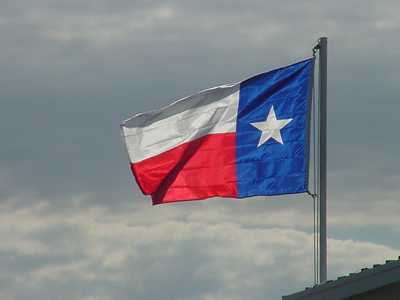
x=195, y=170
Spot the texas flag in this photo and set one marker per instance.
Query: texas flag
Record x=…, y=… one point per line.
x=239, y=140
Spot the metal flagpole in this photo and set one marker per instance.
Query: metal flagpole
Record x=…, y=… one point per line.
x=323, y=45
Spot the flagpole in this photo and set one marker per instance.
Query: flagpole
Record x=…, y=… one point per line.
x=323, y=45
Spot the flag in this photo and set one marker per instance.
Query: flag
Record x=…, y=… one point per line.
x=239, y=140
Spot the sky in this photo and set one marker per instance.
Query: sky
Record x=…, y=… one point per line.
x=74, y=225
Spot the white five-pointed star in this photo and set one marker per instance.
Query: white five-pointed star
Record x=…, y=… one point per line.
x=271, y=128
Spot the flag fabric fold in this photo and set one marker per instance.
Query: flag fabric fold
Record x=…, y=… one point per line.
x=240, y=140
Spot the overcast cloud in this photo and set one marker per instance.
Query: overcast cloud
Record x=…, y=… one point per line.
x=73, y=225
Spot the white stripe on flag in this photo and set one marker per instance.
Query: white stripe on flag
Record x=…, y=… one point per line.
x=208, y=112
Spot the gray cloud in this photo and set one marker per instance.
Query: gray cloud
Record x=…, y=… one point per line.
x=131, y=254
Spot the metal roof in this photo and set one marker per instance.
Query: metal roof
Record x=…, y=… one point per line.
x=353, y=284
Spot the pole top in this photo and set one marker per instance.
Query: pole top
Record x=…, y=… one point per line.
x=321, y=40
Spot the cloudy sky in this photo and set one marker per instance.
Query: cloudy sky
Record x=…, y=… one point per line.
x=73, y=225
